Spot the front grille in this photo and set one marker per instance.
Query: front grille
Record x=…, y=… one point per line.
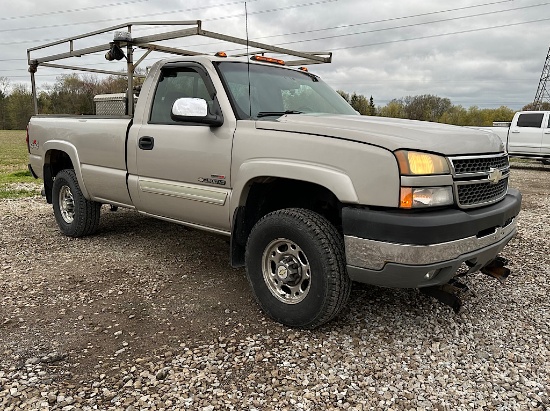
x=479, y=165
x=481, y=193
x=480, y=180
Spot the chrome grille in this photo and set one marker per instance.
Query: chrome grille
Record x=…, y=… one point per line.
x=481, y=193
x=478, y=165
x=480, y=180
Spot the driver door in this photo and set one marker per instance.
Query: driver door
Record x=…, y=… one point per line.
x=182, y=168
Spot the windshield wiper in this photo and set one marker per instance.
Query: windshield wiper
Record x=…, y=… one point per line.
x=277, y=113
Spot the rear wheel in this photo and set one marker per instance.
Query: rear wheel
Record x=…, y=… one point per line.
x=75, y=215
x=295, y=265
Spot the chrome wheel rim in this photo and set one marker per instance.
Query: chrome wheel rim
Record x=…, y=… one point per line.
x=286, y=271
x=66, y=204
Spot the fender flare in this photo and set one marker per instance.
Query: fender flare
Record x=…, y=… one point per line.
x=332, y=179
x=70, y=150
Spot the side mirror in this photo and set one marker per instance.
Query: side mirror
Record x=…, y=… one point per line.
x=195, y=110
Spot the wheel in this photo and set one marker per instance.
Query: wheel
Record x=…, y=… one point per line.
x=75, y=215
x=295, y=265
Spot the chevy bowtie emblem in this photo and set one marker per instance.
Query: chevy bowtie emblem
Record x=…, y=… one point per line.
x=495, y=175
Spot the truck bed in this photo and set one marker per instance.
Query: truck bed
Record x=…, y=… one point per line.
x=101, y=155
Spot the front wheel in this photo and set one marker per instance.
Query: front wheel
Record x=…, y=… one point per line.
x=295, y=265
x=75, y=215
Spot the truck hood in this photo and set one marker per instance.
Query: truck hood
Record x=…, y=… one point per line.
x=390, y=133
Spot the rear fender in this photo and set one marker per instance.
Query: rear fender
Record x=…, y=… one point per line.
x=70, y=150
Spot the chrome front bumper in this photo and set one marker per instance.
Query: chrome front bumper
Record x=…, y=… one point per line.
x=412, y=266
x=374, y=255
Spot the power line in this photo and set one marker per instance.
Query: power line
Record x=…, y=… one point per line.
x=275, y=35
x=49, y=13
x=419, y=38
x=415, y=24
x=387, y=20
x=132, y=17
x=303, y=32
x=442, y=34
x=314, y=3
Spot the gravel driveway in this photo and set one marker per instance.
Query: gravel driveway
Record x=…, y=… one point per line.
x=149, y=315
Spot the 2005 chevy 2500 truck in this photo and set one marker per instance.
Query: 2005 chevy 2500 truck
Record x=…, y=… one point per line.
x=311, y=194
x=527, y=135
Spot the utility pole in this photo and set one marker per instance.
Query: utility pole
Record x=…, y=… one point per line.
x=543, y=93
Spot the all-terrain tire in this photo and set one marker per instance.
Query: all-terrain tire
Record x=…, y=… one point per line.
x=75, y=215
x=295, y=264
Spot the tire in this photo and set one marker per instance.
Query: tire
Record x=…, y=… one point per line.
x=75, y=215
x=296, y=267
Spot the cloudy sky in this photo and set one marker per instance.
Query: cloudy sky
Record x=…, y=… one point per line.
x=474, y=52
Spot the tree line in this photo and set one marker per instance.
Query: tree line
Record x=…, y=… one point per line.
x=70, y=94
x=428, y=107
x=73, y=94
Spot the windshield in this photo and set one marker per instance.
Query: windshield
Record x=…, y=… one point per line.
x=275, y=91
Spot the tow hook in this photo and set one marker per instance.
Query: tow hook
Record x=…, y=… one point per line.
x=448, y=294
x=497, y=269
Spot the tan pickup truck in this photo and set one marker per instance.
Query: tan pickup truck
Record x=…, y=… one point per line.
x=312, y=195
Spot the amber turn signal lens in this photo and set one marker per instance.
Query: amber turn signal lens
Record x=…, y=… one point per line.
x=406, y=197
x=420, y=197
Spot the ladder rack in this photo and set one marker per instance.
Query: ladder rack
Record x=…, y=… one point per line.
x=149, y=43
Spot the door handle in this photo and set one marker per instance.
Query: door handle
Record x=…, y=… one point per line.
x=515, y=131
x=146, y=143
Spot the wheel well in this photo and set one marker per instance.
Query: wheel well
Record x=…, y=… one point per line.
x=54, y=162
x=269, y=194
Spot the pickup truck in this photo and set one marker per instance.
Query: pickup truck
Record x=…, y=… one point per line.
x=527, y=136
x=312, y=195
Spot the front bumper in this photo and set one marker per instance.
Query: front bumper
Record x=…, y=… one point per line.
x=424, y=249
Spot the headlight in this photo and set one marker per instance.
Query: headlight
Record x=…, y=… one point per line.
x=413, y=163
x=418, y=197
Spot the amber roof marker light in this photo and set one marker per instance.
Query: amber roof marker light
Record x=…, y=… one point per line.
x=268, y=60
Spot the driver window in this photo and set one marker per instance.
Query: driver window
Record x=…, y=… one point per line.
x=533, y=120
x=176, y=83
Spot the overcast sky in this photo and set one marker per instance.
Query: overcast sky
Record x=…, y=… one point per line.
x=474, y=52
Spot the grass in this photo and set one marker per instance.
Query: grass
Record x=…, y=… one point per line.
x=15, y=179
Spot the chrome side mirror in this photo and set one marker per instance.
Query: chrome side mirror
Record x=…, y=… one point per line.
x=194, y=110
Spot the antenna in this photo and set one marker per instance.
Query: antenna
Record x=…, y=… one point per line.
x=248, y=61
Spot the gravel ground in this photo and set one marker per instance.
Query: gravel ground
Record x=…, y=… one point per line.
x=148, y=315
